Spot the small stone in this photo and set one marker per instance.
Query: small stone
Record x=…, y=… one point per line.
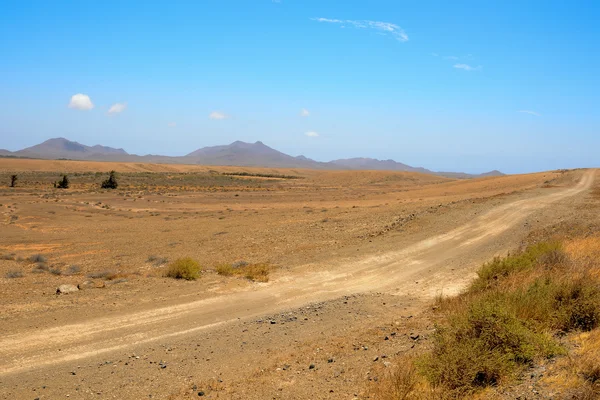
x=376, y=358
x=311, y=366
x=330, y=360
x=201, y=393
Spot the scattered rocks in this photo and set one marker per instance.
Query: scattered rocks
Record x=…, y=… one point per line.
x=66, y=289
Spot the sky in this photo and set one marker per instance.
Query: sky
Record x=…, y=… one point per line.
x=447, y=85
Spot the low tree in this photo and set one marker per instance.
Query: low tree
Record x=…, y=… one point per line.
x=63, y=183
x=13, y=180
x=111, y=182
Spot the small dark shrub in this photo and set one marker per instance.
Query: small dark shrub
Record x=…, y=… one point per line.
x=37, y=258
x=63, y=183
x=55, y=271
x=14, y=274
x=8, y=257
x=13, y=180
x=184, y=268
x=111, y=182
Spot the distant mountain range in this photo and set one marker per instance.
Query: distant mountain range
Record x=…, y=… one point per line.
x=238, y=153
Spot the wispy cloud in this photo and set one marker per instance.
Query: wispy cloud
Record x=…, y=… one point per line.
x=117, y=108
x=312, y=134
x=218, y=115
x=81, y=101
x=467, y=67
x=453, y=58
x=530, y=113
x=304, y=112
x=381, y=27
x=172, y=124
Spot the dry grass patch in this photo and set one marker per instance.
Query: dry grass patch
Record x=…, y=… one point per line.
x=184, y=268
x=254, y=272
x=509, y=319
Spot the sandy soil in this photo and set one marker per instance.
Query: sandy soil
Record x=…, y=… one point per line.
x=358, y=254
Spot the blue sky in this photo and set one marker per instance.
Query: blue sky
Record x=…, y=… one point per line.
x=441, y=84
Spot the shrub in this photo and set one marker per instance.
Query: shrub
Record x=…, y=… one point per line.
x=37, y=258
x=55, y=271
x=483, y=345
x=13, y=180
x=40, y=267
x=111, y=182
x=184, y=268
x=253, y=272
x=14, y=274
x=8, y=256
x=73, y=270
x=63, y=183
x=107, y=275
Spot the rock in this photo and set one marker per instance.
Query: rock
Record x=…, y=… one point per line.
x=376, y=358
x=201, y=393
x=65, y=289
x=311, y=366
x=330, y=360
x=414, y=336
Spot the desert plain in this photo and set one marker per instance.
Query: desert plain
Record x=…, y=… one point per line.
x=354, y=261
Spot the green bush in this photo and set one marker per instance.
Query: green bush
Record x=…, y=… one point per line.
x=499, y=268
x=483, y=345
x=184, y=268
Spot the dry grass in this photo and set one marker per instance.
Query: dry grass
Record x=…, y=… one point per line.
x=184, y=268
x=14, y=274
x=508, y=320
x=254, y=272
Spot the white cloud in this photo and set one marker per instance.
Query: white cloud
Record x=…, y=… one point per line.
x=304, y=112
x=312, y=134
x=81, y=102
x=454, y=58
x=530, y=113
x=467, y=67
x=172, y=124
x=218, y=115
x=381, y=27
x=117, y=108
x=435, y=54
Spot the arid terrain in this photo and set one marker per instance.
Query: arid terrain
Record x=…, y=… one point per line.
x=355, y=260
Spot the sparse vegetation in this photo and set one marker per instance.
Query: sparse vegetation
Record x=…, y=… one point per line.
x=106, y=275
x=56, y=271
x=253, y=272
x=157, y=261
x=8, y=257
x=63, y=183
x=258, y=175
x=507, y=320
x=184, y=268
x=40, y=267
x=111, y=182
x=13, y=180
x=14, y=274
x=73, y=270
x=37, y=258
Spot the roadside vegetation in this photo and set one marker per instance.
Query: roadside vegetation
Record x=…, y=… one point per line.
x=521, y=311
x=254, y=272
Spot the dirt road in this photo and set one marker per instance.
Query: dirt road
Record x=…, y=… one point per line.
x=426, y=262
